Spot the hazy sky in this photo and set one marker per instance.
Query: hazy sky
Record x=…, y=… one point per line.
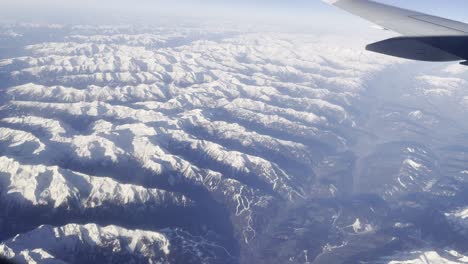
x=456, y=9
x=456, y=6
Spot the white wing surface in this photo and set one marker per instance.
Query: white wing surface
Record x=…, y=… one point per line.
x=425, y=37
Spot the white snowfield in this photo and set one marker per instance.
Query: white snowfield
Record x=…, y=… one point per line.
x=126, y=90
x=113, y=117
x=429, y=257
x=205, y=113
x=56, y=187
x=459, y=218
x=64, y=244
x=462, y=213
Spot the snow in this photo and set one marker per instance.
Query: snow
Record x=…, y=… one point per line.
x=455, y=69
x=403, y=225
x=21, y=141
x=47, y=244
x=56, y=187
x=437, y=86
x=240, y=117
x=359, y=227
x=459, y=218
x=428, y=257
x=37, y=256
x=462, y=213
x=120, y=98
x=44, y=240
x=6, y=252
x=411, y=150
x=413, y=164
x=92, y=93
x=416, y=114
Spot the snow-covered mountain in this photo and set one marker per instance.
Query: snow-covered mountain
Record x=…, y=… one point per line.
x=94, y=244
x=198, y=145
x=424, y=257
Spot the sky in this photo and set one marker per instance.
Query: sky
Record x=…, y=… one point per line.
x=452, y=5
x=455, y=9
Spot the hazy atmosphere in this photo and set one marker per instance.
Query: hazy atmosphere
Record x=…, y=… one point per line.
x=226, y=132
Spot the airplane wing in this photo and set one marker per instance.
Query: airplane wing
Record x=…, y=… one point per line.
x=425, y=37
